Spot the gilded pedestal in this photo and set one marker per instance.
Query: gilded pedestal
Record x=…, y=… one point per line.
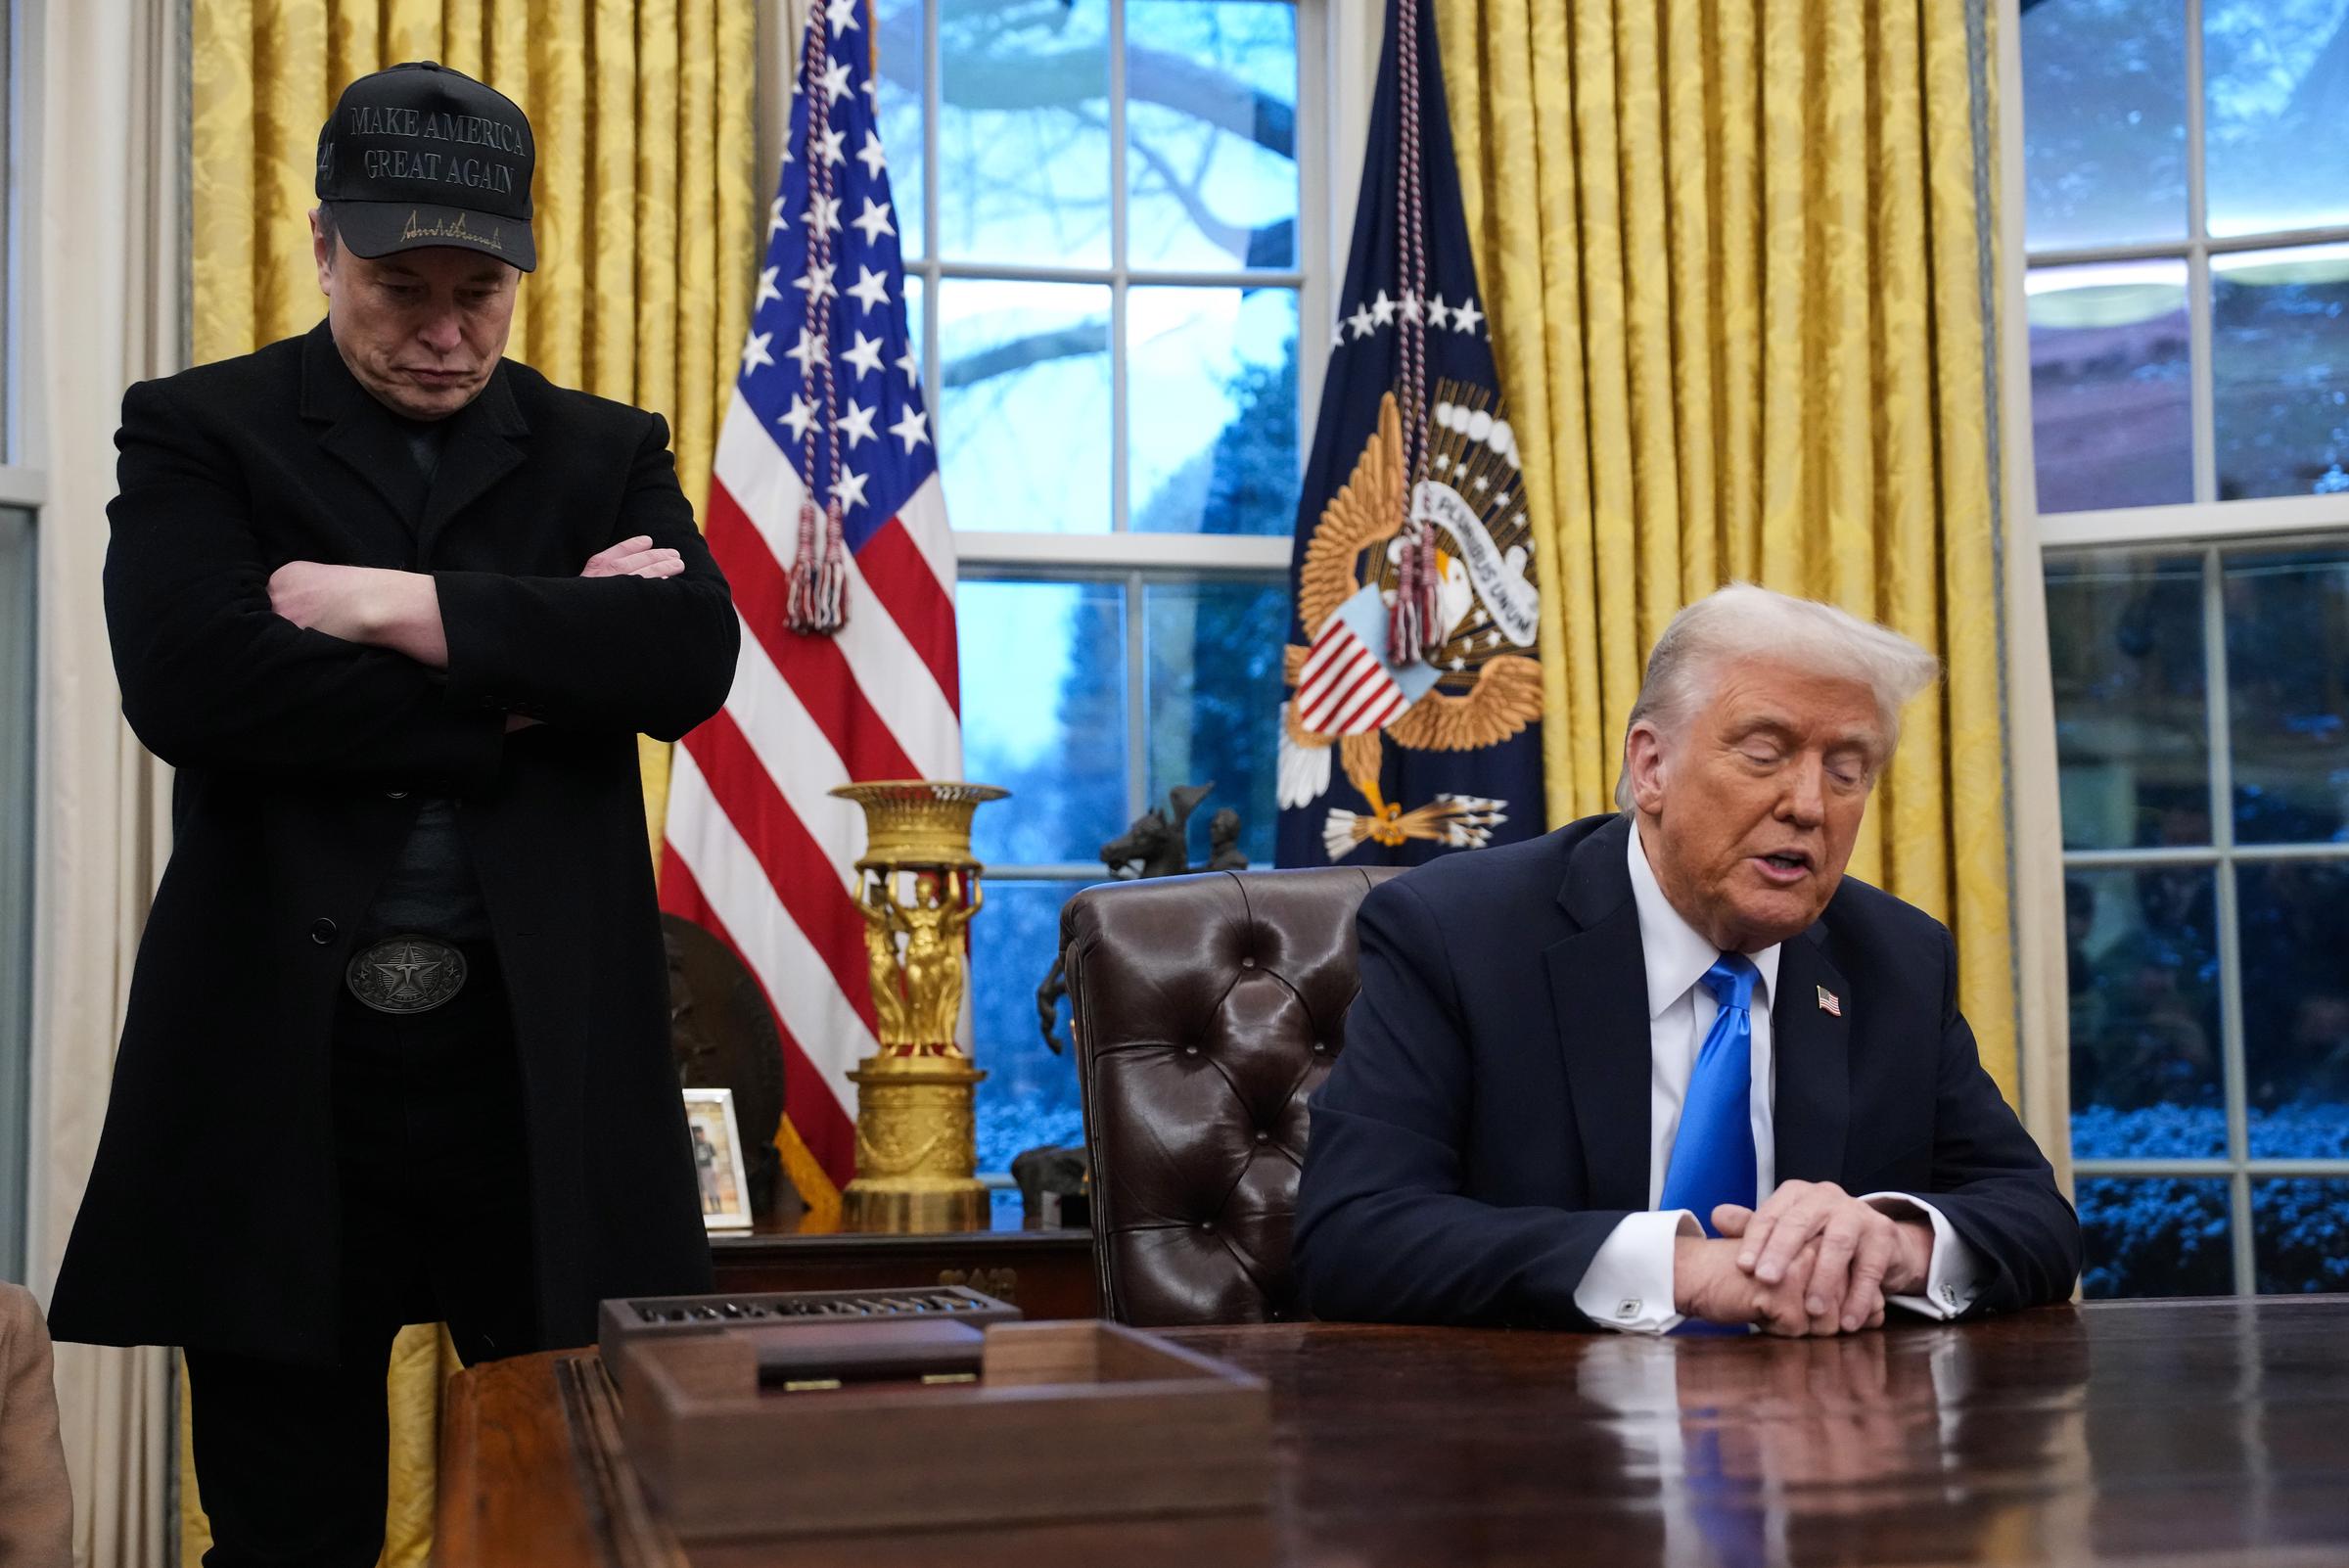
x=919, y=890
x=914, y=1147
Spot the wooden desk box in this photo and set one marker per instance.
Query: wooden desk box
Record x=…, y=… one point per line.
x=1068, y=1421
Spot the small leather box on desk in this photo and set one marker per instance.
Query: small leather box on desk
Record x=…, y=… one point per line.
x=625, y=1323
x=1064, y=1421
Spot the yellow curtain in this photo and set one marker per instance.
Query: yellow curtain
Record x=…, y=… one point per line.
x=647, y=206
x=1738, y=260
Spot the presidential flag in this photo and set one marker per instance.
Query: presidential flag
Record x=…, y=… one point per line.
x=826, y=516
x=1413, y=724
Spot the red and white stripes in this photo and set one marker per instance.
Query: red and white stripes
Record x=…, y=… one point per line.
x=756, y=850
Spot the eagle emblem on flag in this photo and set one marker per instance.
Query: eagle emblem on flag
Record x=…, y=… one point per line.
x=1482, y=686
x=1411, y=724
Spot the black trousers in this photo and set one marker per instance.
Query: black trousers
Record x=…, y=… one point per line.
x=435, y=1228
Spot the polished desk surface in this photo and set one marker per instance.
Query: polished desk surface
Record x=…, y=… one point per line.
x=2153, y=1433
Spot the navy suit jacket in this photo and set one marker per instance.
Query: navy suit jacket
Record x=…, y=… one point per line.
x=1485, y=1127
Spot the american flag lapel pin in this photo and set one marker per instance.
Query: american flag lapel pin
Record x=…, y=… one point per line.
x=1829, y=1003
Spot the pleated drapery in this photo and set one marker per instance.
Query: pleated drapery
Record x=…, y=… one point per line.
x=647, y=206
x=1738, y=259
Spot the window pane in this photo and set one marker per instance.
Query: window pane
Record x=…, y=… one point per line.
x=2154, y=1237
x=897, y=99
x=1023, y=138
x=1023, y=386
x=1213, y=693
x=2146, y=1067
x=2132, y=737
x=2295, y=943
x=1212, y=378
x=2280, y=368
x=2112, y=405
x=2273, y=131
x=2300, y=1234
x=1211, y=133
x=2288, y=677
x=2103, y=121
x=1043, y=715
x=18, y=564
x=1030, y=1097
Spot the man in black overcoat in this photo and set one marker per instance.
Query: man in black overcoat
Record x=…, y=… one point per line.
x=396, y=1047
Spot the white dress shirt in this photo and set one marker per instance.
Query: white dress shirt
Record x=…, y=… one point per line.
x=1628, y=1284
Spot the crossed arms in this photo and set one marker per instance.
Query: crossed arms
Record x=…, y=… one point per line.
x=329, y=671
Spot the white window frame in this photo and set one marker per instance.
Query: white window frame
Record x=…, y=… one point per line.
x=2206, y=527
x=23, y=487
x=1337, y=52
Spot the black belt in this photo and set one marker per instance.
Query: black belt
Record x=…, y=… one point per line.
x=406, y=974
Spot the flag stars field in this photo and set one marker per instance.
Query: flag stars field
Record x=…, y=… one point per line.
x=871, y=290
x=912, y=429
x=815, y=283
x=873, y=221
x=1383, y=311
x=865, y=355
x=857, y=425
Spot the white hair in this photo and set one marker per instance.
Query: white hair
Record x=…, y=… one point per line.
x=1745, y=622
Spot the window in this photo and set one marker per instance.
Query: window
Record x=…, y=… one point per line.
x=17, y=561
x=20, y=492
x=1113, y=228
x=2186, y=281
x=2188, y=246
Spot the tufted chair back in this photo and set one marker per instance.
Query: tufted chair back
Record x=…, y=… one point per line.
x=1205, y=1010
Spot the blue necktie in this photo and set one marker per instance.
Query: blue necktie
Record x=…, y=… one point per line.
x=1713, y=1155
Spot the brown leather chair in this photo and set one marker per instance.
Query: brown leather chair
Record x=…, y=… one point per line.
x=1205, y=1010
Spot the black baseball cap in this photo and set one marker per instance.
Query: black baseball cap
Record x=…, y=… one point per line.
x=420, y=155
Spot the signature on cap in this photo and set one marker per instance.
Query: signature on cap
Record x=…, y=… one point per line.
x=443, y=229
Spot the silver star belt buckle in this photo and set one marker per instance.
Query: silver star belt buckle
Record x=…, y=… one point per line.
x=406, y=974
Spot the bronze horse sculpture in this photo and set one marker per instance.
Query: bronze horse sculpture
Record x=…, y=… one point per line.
x=1153, y=845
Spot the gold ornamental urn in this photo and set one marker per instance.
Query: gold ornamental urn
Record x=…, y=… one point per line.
x=918, y=885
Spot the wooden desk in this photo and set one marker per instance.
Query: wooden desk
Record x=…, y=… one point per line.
x=1046, y=1274
x=2152, y=1433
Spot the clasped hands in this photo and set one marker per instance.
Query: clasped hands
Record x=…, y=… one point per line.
x=401, y=610
x=1812, y=1260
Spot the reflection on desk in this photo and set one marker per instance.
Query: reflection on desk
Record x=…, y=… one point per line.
x=2170, y=1433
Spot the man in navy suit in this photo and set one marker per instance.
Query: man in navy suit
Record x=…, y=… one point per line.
x=1672, y=1064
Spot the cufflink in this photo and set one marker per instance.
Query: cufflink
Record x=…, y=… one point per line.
x=1628, y=1309
x=1949, y=1297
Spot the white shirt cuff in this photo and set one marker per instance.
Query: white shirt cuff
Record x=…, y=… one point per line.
x=1954, y=1275
x=1629, y=1283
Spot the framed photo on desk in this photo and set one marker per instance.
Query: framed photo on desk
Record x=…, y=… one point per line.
x=717, y=1163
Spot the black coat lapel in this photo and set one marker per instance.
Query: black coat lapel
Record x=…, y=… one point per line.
x=482, y=444
x=1598, y=987
x=484, y=447
x=358, y=431
x=1813, y=1050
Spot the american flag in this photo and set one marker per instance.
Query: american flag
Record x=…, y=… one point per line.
x=826, y=418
